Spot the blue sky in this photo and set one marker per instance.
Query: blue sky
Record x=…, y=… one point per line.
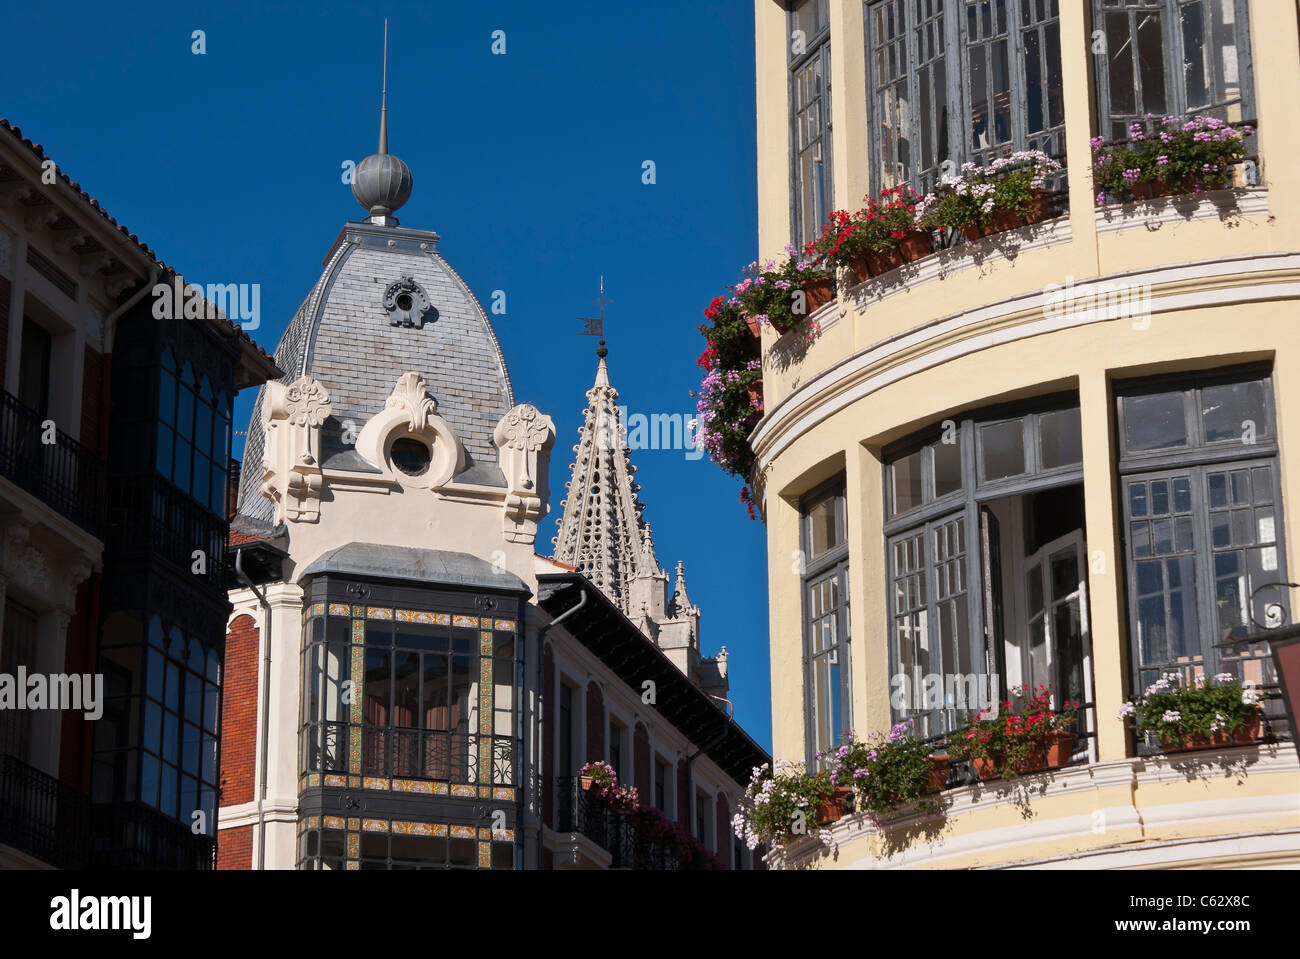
x=529, y=165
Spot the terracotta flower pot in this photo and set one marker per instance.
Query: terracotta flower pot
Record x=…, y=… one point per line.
x=755, y=326
x=816, y=295
x=883, y=262
x=1248, y=732
x=860, y=267
x=586, y=782
x=986, y=767
x=971, y=232
x=755, y=391
x=1038, y=207
x=938, y=774
x=1003, y=220
x=1032, y=762
x=1060, y=745
x=832, y=810
x=1141, y=190
x=915, y=245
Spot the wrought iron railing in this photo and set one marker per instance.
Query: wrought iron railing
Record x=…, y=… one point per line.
x=58, y=825
x=581, y=812
x=131, y=835
x=413, y=753
x=41, y=816
x=178, y=526
x=51, y=465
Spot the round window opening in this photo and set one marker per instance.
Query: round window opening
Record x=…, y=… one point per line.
x=410, y=456
x=404, y=302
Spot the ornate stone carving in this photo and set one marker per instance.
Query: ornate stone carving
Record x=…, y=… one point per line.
x=524, y=438
x=291, y=473
x=32, y=567
x=405, y=302
x=411, y=411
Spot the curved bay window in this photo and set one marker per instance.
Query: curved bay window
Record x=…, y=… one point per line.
x=410, y=704
x=1176, y=57
x=985, y=562
x=960, y=81
x=193, y=449
x=1203, y=531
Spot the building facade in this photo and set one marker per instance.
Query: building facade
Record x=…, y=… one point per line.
x=114, y=452
x=998, y=475
x=409, y=684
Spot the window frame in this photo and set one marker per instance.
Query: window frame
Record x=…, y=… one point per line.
x=831, y=562
x=959, y=95
x=1173, y=47
x=1198, y=459
x=816, y=47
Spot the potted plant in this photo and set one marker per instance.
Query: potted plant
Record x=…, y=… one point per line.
x=782, y=802
x=982, y=741
x=1060, y=739
x=887, y=771
x=1020, y=187
x=844, y=242
x=963, y=203
x=1214, y=712
x=597, y=777
x=1169, y=155
x=784, y=293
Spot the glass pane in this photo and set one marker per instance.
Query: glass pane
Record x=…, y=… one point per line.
x=1234, y=412
x=1004, y=449
x=1060, y=436
x=907, y=482
x=823, y=528
x=1154, y=422
x=947, y=467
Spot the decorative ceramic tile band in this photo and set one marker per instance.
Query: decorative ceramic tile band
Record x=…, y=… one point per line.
x=485, y=855
x=340, y=609
x=359, y=612
x=358, y=632
x=313, y=779
x=335, y=780
x=464, y=792
x=374, y=825
x=484, y=832
x=462, y=832
x=504, y=835
x=369, y=782
x=503, y=794
x=313, y=822
x=407, y=828
x=507, y=625
x=469, y=622
x=354, y=782
x=485, y=792
x=379, y=612
x=334, y=822
x=354, y=865
x=318, y=609
x=354, y=823
x=414, y=786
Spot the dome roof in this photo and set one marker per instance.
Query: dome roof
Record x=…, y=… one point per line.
x=386, y=304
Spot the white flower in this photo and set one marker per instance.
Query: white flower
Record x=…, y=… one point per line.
x=1224, y=677
x=1127, y=710
x=1171, y=716
x=1250, y=696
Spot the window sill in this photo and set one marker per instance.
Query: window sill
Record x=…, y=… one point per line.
x=1183, y=208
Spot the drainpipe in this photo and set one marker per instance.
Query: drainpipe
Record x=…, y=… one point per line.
x=541, y=635
x=264, y=723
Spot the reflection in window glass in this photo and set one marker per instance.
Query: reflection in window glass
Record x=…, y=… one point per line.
x=1004, y=449
x=947, y=467
x=823, y=528
x=1154, y=422
x=1234, y=411
x=906, y=473
x=1060, y=438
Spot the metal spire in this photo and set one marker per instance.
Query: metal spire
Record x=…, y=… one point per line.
x=383, y=109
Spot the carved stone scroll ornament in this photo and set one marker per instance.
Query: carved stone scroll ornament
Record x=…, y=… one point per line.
x=292, y=476
x=524, y=438
x=410, y=410
x=405, y=302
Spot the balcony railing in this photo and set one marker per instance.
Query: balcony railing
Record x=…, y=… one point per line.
x=54, y=823
x=62, y=473
x=581, y=812
x=41, y=816
x=152, y=517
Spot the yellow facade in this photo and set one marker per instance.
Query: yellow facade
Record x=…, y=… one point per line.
x=968, y=328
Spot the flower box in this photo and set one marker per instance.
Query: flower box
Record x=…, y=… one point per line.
x=755, y=326
x=1039, y=207
x=1033, y=761
x=817, y=294
x=832, y=809
x=915, y=245
x=882, y=261
x=986, y=767
x=938, y=773
x=1248, y=732
x=860, y=267
x=1001, y=221
x=1060, y=746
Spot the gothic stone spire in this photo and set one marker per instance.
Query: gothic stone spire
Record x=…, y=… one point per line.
x=601, y=532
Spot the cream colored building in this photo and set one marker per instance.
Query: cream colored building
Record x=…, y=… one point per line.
x=1117, y=489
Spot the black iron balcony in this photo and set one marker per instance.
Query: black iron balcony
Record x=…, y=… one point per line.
x=581, y=812
x=41, y=816
x=152, y=518
x=131, y=835
x=61, y=472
